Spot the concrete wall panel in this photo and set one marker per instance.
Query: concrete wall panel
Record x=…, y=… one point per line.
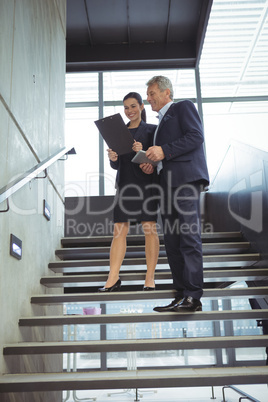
x=6, y=46
x=4, y=119
x=32, y=102
x=30, y=78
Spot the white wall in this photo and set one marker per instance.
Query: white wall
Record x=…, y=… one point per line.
x=32, y=101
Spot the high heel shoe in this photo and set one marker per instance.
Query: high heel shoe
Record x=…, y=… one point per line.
x=114, y=288
x=148, y=288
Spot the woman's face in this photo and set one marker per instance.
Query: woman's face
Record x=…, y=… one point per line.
x=133, y=109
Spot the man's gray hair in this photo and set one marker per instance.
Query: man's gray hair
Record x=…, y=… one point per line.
x=163, y=84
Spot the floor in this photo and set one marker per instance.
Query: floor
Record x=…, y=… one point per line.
x=204, y=394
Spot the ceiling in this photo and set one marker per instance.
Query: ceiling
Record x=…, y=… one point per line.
x=111, y=35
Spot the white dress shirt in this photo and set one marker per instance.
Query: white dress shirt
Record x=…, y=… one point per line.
x=161, y=114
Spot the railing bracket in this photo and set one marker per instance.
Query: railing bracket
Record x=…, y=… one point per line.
x=7, y=208
x=42, y=177
x=70, y=152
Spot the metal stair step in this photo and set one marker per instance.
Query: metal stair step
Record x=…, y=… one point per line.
x=85, y=255
x=129, y=379
x=230, y=293
x=80, y=253
x=232, y=260
x=225, y=315
x=209, y=276
x=137, y=345
x=139, y=239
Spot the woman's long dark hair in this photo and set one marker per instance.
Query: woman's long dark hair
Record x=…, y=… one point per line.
x=137, y=96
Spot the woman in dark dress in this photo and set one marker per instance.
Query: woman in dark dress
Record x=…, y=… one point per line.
x=134, y=197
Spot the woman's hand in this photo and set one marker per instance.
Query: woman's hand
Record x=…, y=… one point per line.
x=137, y=146
x=147, y=168
x=112, y=155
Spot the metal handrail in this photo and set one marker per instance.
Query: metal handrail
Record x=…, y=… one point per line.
x=23, y=179
x=239, y=391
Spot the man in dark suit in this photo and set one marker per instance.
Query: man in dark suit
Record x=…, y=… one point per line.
x=182, y=173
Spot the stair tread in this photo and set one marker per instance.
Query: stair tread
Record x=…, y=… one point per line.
x=128, y=379
x=141, y=295
x=140, y=238
x=220, y=250
x=208, y=260
x=136, y=345
x=139, y=250
x=144, y=317
x=209, y=275
x=139, y=246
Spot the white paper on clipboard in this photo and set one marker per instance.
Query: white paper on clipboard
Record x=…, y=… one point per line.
x=115, y=133
x=141, y=157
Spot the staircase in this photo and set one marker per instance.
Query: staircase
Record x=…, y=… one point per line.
x=82, y=267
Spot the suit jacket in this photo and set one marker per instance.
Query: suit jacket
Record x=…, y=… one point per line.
x=180, y=134
x=145, y=135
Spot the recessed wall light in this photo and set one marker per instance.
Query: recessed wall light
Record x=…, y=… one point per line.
x=15, y=247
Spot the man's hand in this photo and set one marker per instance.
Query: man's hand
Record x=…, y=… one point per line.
x=155, y=153
x=147, y=168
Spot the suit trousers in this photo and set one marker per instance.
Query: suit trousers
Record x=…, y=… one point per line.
x=180, y=213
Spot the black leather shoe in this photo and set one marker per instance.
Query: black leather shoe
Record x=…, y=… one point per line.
x=188, y=304
x=148, y=288
x=169, y=307
x=115, y=288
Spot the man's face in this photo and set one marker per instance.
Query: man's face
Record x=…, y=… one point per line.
x=156, y=98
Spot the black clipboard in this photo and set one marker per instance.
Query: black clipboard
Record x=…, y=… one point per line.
x=115, y=133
